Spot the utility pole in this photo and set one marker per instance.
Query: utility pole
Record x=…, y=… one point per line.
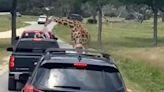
x=13, y=22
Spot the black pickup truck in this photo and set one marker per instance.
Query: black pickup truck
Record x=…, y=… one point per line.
x=24, y=57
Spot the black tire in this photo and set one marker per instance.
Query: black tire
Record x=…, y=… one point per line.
x=11, y=84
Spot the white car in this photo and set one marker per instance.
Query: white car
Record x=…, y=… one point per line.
x=42, y=19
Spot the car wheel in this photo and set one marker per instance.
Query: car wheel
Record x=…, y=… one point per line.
x=11, y=84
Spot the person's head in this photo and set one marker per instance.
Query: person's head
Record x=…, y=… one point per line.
x=38, y=35
x=78, y=46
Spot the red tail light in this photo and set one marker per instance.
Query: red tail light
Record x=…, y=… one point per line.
x=80, y=65
x=12, y=62
x=36, y=40
x=30, y=88
x=127, y=90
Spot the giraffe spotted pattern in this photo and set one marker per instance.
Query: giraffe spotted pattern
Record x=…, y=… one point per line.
x=79, y=34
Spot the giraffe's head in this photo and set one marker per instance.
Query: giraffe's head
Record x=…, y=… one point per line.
x=79, y=47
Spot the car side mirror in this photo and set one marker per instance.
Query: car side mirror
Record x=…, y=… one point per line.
x=17, y=38
x=9, y=49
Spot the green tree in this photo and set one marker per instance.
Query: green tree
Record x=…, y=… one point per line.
x=155, y=5
x=5, y=5
x=98, y=5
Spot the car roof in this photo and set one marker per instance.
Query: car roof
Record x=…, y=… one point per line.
x=42, y=16
x=71, y=58
x=31, y=39
x=33, y=31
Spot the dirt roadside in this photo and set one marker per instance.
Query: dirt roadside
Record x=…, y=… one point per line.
x=7, y=34
x=4, y=66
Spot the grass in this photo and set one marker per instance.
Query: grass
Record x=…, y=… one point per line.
x=130, y=43
x=147, y=76
x=6, y=21
x=4, y=43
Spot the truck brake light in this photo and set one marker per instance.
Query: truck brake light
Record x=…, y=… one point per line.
x=12, y=62
x=37, y=40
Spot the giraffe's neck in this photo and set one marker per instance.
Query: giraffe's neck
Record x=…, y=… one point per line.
x=79, y=33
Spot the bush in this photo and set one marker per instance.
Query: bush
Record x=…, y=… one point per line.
x=147, y=17
x=92, y=21
x=111, y=14
x=130, y=17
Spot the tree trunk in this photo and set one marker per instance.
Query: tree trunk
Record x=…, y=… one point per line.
x=94, y=15
x=162, y=16
x=99, y=27
x=13, y=22
x=155, y=39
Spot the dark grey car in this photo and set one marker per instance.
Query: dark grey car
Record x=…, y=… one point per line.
x=75, y=17
x=75, y=73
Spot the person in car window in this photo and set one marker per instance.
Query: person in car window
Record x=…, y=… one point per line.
x=39, y=35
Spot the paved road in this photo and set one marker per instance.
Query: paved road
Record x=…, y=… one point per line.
x=4, y=13
x=4, y=77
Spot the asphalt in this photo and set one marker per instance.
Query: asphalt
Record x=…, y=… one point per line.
x=34, y=26
x=4, y=13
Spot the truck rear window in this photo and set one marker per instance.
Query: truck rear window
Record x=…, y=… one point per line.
x=28, y=35
x=30, y=46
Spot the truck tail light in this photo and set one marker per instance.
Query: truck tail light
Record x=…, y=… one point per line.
x=12, y=62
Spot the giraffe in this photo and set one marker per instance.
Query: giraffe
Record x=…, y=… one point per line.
x=79, y=34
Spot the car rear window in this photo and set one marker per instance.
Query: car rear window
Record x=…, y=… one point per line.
x=32, y=35
x=79, y=79
x=30, y=46
x=28, y=35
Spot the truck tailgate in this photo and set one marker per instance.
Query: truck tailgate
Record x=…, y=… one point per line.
x=25, y=62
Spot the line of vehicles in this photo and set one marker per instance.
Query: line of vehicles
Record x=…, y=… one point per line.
x=40, y=65
x=25, y=54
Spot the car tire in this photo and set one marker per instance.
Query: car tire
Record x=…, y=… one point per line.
x=11, y=84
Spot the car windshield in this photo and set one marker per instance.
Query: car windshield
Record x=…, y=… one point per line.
x=28, y=35
x=78, y=79
x=29, y=46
